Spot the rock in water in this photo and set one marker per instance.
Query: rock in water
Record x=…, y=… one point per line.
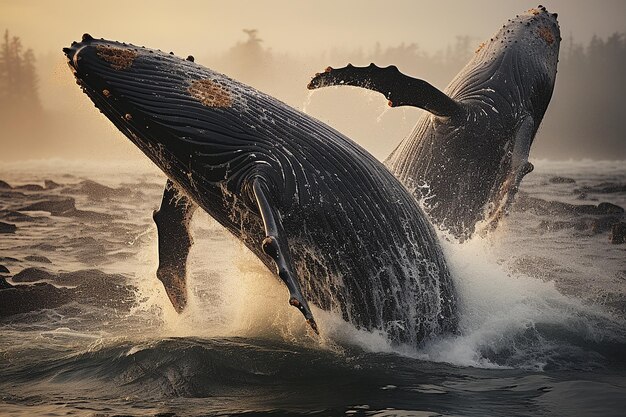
x=36, y=258
x=15, y=216
x=51, y=185
x=55, y=206
x=609, y=208
x=97, y=191
x=603, y=188
x=7, y=227
x=30, y=187
x=618, y=233
x=65, y=207
x=4, y=284
x=555, y=208
x=90, y=287
x=25, y=298
x=33, y=275
x=562, y=180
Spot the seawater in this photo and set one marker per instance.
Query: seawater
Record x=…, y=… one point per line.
x=542, y=316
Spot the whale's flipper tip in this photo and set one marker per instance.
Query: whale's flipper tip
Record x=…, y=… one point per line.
x=172, y=220
x=311, y=322
x=306, y=312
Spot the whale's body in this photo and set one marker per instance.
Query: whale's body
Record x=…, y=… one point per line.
x=342, y=231
x=467, y=154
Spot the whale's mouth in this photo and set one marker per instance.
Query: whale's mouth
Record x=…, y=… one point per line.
x=72, y=52
x=118, y=57
x=91, y=60
x=75, y=54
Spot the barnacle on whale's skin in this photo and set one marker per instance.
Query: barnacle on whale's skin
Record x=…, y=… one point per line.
x=120, y=59
x=210, y=94
x=546, y=34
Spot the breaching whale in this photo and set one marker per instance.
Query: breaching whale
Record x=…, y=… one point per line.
x=468, y=153
x=339, y=229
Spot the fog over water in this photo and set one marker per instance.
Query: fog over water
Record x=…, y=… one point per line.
x=429, y=40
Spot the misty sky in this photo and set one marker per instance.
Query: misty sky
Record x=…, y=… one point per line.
x=199, y=26
x=304, y=31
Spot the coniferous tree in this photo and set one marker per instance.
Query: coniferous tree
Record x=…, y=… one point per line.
x=18, y=79
x=4, y=71
x=30, y=84
x=15, y=82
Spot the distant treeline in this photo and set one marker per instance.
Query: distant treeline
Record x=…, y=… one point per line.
x=18, y=79
x=585, y=117
x=257, y=65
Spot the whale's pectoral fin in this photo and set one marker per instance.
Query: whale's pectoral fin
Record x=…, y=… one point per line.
x=519, y=167
x=521, y=148
x=275, y=245
x=172, y=221
x=400, y=89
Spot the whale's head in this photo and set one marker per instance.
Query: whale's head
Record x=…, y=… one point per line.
x=520, y=59
x=169, y=107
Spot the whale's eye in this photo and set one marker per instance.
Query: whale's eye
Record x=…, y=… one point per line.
x=210, y=94
x=119, y=58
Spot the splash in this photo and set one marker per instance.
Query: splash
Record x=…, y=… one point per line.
x=514, y=320
x=307, y=101
x=507, y=317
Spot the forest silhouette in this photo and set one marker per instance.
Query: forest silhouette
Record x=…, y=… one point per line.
x=18, y=80
x=584, y=120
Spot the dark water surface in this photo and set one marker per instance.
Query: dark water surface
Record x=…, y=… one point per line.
x=90, y=331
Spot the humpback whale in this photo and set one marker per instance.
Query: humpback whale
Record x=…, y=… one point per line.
x=468, y=152
x=330, y=220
